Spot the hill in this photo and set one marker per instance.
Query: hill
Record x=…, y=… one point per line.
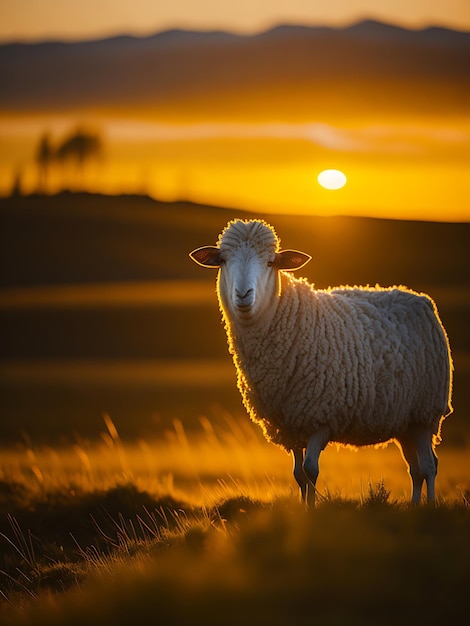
x=73, y=238
x=102, y=309
x=290, y=71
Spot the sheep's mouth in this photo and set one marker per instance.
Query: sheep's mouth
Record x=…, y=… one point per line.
x=244, y=308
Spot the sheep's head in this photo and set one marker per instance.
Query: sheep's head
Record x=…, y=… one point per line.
x=249, y=259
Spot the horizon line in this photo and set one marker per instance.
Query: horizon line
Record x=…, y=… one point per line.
x=119, y=34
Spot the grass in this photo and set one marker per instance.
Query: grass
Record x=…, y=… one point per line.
x=207, y=528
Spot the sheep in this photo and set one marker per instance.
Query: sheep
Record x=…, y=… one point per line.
x=356, y=366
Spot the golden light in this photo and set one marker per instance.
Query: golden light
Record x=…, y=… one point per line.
x=332, y=179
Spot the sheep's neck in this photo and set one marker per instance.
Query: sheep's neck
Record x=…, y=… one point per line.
x=252, y=339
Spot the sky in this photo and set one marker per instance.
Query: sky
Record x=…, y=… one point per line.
x=402, y=168
x=34, y=20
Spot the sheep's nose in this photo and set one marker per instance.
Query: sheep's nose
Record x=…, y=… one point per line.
x=243, y=296
x=244, y=299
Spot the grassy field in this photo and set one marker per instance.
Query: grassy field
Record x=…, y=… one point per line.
x=208, y=528
x=133, y=487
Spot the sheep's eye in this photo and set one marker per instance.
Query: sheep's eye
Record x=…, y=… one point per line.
x=270, y=263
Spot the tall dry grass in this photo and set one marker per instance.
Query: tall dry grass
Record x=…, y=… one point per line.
x=207, y=527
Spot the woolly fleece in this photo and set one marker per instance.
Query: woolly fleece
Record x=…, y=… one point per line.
x=367, y=362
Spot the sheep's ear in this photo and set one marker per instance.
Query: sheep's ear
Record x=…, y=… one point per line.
x=207, y=256
x=291, y=260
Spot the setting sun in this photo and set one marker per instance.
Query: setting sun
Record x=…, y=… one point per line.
x=332, y=179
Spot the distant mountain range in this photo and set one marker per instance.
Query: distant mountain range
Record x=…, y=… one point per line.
x=289, y=71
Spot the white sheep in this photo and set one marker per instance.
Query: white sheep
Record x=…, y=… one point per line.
x=355, y=366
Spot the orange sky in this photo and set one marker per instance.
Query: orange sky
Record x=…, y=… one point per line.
x=414, y=169
x=404, y=171
x=65, y=19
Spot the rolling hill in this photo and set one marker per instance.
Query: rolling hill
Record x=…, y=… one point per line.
x=86, y=238
x=102, y=309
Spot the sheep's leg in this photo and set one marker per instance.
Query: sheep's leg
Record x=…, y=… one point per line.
x=410, y=456
x=427, y=459
x=299, y=474
x=417, y=450
x=316, y=444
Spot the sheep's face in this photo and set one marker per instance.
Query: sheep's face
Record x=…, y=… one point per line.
x=249, y=259
x=247, y=278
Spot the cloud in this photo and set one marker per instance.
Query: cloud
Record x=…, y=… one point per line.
x=321, y=134
x=376, y=138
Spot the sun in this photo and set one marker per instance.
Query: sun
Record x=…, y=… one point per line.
x=332, y=179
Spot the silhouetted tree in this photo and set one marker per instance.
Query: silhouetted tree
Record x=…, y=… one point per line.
x=17, y=186
x=44, y=158
x=78, y=148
